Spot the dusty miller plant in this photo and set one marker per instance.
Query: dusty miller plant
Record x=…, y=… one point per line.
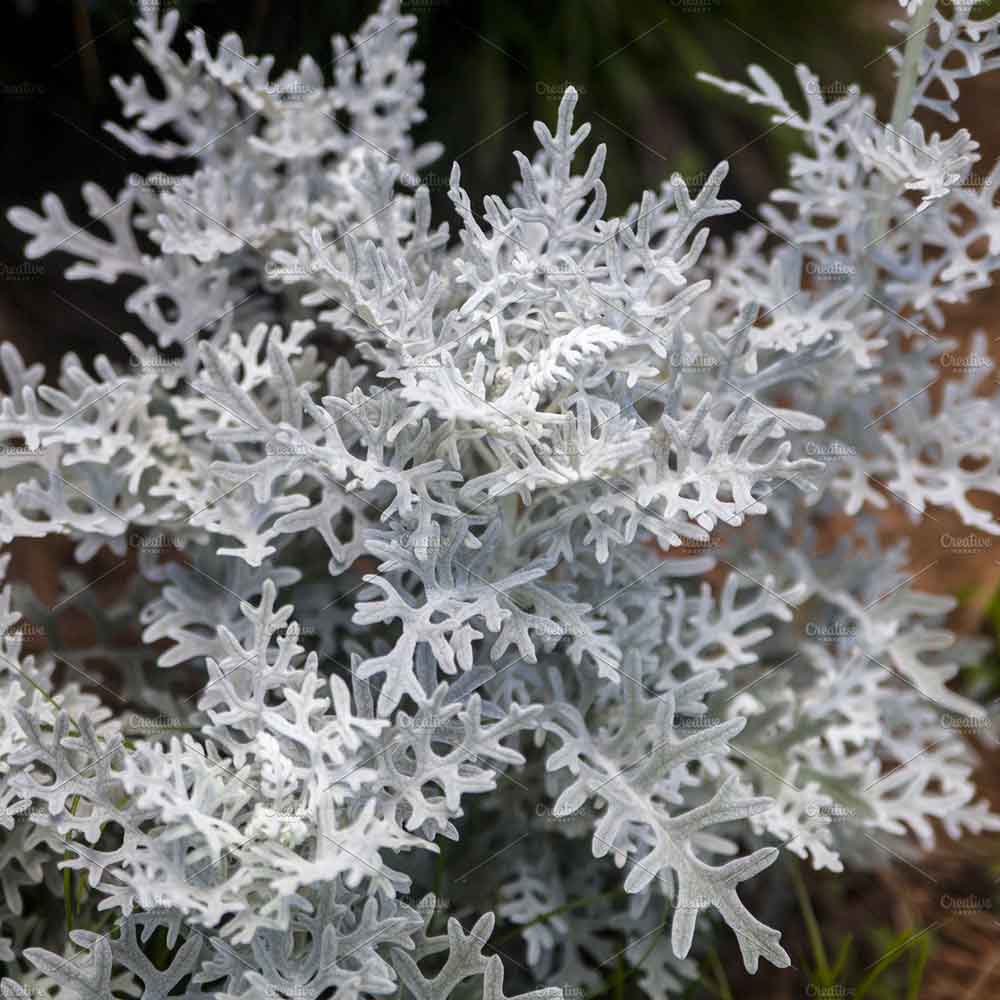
x=491, y=560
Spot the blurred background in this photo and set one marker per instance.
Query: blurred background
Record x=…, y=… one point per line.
x=492, y=69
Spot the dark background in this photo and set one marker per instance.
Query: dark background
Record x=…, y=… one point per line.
x=492, y=69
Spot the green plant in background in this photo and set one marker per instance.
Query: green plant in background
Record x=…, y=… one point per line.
x=837, y=971
x=982, y=677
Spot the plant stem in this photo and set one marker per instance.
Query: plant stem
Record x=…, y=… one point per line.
x=918, y=962
x=564, y=908
x=902, y=104
x=724, y=989
x=68, y=896
x=637, y=968
x=812, y=924
x=68, y=893
x=883, y=963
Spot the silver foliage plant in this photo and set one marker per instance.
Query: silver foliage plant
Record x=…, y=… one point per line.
x=494, y=563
